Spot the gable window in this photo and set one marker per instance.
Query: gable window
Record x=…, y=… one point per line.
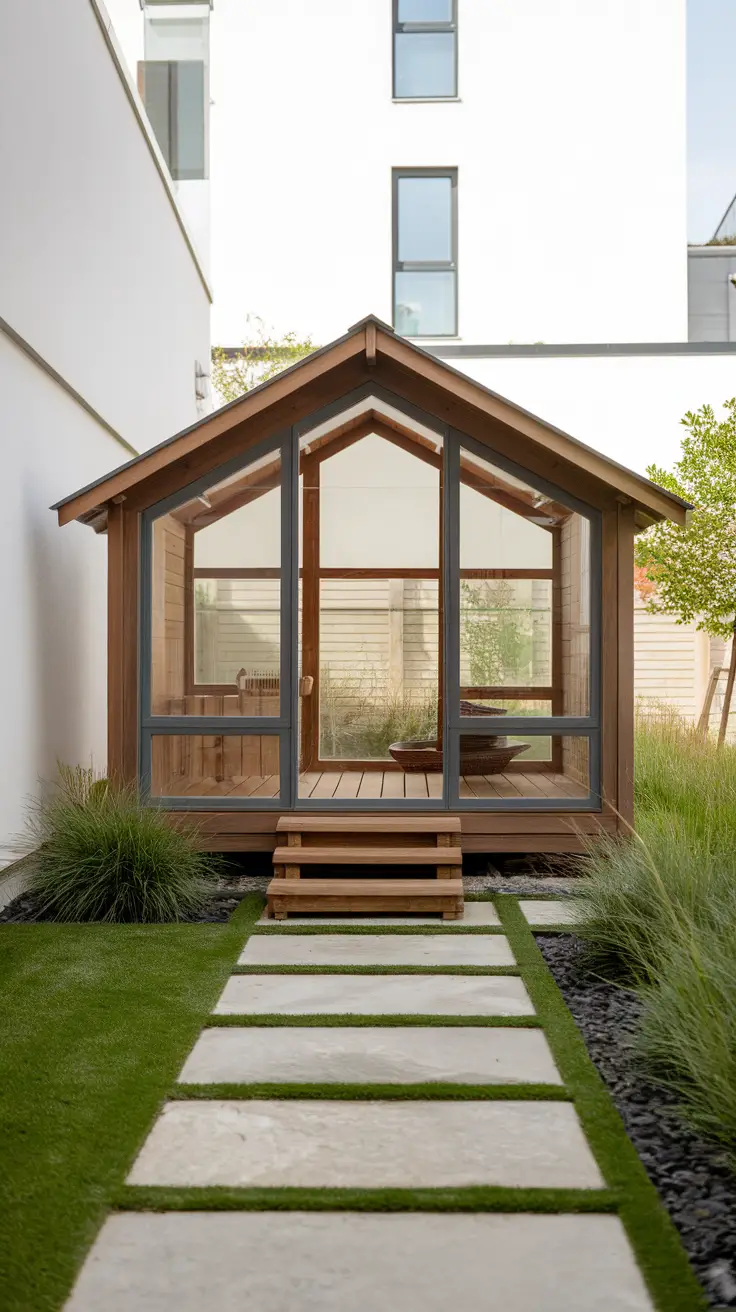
x=425, y=252
x=425, y=49
x=173, y=92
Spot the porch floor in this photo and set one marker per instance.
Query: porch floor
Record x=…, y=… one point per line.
x=391, y=784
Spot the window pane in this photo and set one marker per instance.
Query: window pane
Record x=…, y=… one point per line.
x=189, y=135
x=215, y=598
x=542, y=768
x=425, y=219
x=505, y=636
x=425, y=11
x=153, y=81
x=379, y=666
x=424, y=64
x=374, y=482
x=522, y=632
x=215, y=765
x=425, y=304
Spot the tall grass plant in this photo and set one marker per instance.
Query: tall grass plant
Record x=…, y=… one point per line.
x=659, y=915
x=98, y=853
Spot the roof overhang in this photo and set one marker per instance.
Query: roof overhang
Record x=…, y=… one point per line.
x=373, y=344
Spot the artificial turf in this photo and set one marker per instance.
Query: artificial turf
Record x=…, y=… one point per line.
x=96, y=1023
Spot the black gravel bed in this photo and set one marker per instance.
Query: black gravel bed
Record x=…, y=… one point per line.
x=693, y=1178
x=26, y=909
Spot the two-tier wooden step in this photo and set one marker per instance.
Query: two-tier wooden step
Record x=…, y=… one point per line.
x=358, y=843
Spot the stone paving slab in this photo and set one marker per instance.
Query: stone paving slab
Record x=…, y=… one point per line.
x=475, y=913
x=374, y=995
x=358, y=1262
x=311, y=1143
x=545, y=911
x=370, y=1056
x=377, y=950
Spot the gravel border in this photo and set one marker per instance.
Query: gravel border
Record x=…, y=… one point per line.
x=692, y=1177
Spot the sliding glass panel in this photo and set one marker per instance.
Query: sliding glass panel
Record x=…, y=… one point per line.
x=215, y=765
x=519, y=769
x=216, y=598
x=524, y=597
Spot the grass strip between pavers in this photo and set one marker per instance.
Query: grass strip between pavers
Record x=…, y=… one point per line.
x=473, y=1198
x=427, y=1092
x=373, y=970
x=652, y=1235
x=97, y=1021
x=273, y=1020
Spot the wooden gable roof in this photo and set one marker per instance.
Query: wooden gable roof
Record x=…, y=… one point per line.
x=371, y=351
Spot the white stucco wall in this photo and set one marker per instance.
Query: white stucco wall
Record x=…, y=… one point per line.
x=97, y=278
x=94, y=268
x=568, y=136
x=53, y=585
x=628, y=407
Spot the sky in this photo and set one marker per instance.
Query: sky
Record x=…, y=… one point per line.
x=711, y=114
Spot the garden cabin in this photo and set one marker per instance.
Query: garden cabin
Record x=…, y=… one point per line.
x=373, y=588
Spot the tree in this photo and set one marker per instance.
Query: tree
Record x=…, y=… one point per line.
x=262, y=355
x=694, y=568
x=491, y=633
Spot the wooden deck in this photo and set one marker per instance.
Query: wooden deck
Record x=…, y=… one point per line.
x=389, y=784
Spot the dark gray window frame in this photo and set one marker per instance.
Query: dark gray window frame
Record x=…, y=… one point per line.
x=398, y=28
x=424, y=266
x=277, y=726
x=284, y=726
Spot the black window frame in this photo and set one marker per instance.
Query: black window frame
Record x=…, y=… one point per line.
x=424, y=266
x=397, y=28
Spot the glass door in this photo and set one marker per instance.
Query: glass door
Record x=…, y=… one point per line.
x=370, y=634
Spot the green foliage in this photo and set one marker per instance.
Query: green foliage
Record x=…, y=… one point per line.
x=660, y=916
x=492, y=633
x=358, y=719
x=694, y=568
x=100, y=854
x=263, y=356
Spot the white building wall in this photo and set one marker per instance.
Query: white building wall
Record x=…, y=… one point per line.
x=568, y=137
x=628, y=407
x=98, y=280
x=94, y=266
x=53, y=582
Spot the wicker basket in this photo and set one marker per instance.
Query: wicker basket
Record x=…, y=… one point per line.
x=472, y=708
x=485, y=757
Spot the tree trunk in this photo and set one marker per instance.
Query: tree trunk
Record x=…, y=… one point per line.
x=729, y=691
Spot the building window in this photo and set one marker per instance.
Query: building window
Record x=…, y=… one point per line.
x=425, y=49
x=173, y=92
x=425, y=252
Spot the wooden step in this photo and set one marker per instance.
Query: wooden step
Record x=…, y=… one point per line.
x=368, y=856
x=396, y=895
x=368, y=824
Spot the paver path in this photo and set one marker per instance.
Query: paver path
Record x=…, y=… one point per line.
x=467, y=1097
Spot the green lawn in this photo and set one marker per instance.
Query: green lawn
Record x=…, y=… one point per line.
x=95, y=1022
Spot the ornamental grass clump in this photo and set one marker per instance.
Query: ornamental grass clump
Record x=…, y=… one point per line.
x=100, y=854
x=659, y=915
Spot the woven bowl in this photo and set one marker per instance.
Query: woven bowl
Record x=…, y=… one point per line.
x=484, y=757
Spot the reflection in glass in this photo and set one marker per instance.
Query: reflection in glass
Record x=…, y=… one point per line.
x=425, y=303
x=424, y=65
x=424, y=218
x=425, y=11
